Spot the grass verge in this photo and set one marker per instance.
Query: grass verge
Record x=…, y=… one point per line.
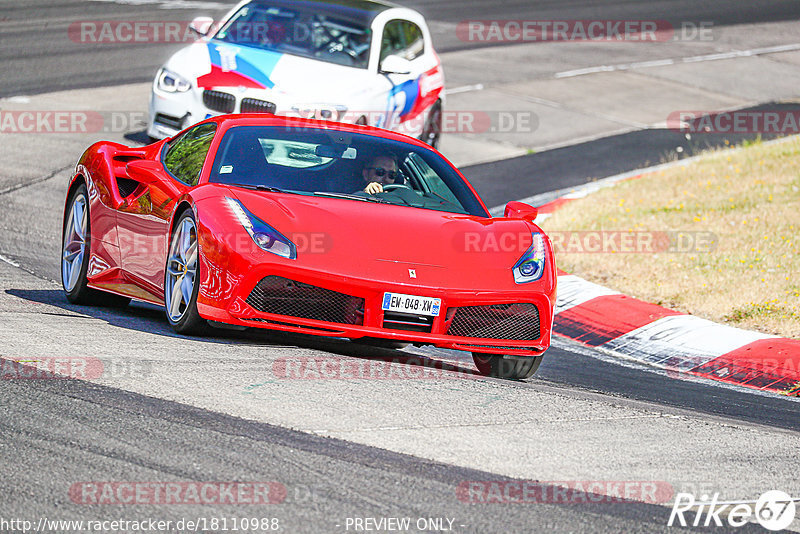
x=718, y=237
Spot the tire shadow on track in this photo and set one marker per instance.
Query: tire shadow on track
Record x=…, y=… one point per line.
x=139, y=137
x=150, y=319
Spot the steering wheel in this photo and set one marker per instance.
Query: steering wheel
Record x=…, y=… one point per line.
x=391, y=187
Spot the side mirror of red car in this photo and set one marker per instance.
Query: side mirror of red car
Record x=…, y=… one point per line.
x=152, y=173
x=520, y=210
x=146, y=172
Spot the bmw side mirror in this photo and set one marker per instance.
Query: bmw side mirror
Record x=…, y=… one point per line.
x=201, y=25
x=395, y=64
x=520, y=210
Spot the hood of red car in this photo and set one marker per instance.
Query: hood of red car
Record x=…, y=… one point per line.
x=397, y=243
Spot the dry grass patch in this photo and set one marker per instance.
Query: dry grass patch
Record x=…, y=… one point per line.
x=749, y=200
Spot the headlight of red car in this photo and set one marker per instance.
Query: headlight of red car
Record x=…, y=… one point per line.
x=265, y=236
x=530, y=267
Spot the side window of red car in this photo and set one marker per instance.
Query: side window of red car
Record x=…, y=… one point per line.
x=402, y=38
x=185, y=157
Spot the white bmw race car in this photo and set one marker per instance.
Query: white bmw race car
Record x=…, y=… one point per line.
x=356, y=61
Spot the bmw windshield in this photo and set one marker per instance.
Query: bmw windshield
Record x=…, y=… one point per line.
x=352, y=166
x=302, y=29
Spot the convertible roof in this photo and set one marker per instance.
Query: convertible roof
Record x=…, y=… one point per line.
x=362, y=11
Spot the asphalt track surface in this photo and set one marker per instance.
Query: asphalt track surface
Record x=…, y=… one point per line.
x=37, y=58
x=57, y=432
x=574, y=165
x=330, y=479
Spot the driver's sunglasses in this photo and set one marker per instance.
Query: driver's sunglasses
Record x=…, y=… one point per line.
x=380, y=172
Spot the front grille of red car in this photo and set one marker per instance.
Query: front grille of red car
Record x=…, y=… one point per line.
x=407, y=321
x=518, y=321
x=295, y=325
x=252, y=105
x=219, y=101
x=282, y=296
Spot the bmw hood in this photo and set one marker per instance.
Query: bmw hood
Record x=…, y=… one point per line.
x=215, y=64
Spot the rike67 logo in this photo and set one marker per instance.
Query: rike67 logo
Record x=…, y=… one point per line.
x=774, y=510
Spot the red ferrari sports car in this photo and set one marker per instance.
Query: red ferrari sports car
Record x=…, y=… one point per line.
x=310, y=227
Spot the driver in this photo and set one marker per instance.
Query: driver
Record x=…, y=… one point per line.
x=380, y=171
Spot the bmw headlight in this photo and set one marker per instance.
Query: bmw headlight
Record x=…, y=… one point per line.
x=322, y=112
x=265, y=236
x=530, y=267
x=170, y=82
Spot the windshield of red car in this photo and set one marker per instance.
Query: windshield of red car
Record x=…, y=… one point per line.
x=302, y=31
x=339, y=164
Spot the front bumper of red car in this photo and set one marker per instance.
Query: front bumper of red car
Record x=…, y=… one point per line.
x=291, y=299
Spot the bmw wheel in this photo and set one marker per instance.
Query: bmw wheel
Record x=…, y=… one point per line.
x=181, y=284
x=504, y=366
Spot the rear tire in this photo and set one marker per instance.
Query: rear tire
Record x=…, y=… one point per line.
x=433, y=126
x=508, y=367
x=76, y=239
x=181, y=284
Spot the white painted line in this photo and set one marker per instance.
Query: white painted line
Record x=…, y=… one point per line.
x=464, y=89
x=691, y=59
x=654, y=63
x=624, y=360
x=574, y=290
x=588, y=70
x=743, y=53
x=8, y=261
x=682, y=342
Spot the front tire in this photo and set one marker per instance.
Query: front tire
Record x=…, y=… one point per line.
x=508, y=367
x=181, y=284
x=75, y=251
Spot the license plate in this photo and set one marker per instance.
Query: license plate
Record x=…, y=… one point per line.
x=397, y=302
